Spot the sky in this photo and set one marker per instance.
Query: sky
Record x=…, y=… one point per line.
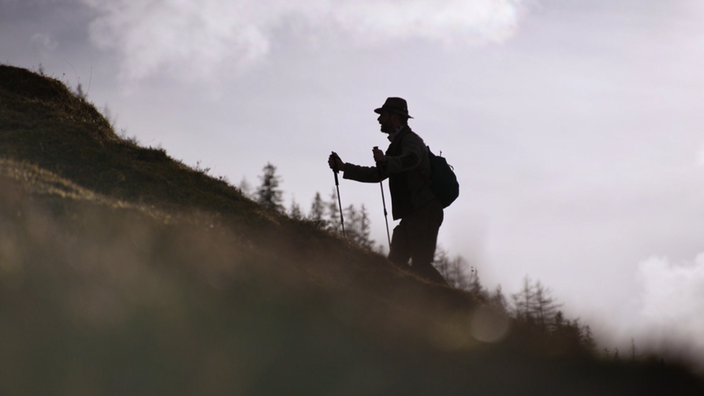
x=574, y=126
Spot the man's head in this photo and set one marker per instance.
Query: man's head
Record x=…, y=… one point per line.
x=393, y=114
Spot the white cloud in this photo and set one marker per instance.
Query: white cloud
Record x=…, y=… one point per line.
x=191, y=38
x=672, y=299
x=44, y=42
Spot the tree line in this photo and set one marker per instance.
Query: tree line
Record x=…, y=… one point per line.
x=532, y=306
x=324, y=214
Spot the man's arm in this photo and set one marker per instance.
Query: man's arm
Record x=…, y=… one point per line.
x=366, y=174
x=412, y=151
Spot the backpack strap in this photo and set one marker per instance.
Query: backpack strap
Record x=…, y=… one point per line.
x=423, y=175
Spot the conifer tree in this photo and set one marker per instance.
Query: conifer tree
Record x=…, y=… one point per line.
x=351, y=223
x=498, y=299
x=295, y=210
x=317, y=209
x=357, y=226
x=268, y=193
x=365, y=229
x=245, y=188
x=473, y=284
x=454, y=270
x=523, y=301
x=459, y=276
x=588, y=339
x=333, y=213
x=545, y=307
x=534, y=304
x=566, y=333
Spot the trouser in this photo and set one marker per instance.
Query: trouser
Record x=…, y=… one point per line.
x=415, y=238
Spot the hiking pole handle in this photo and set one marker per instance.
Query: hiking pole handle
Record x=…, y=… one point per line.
x=335, y=170
x=379, y=156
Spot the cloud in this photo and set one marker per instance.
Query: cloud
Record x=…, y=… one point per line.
x=672, y=299
x=191, y=38
x=44, y=42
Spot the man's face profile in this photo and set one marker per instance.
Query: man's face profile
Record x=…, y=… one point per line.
x=386, y=121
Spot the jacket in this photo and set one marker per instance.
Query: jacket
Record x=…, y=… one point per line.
x=407, y=168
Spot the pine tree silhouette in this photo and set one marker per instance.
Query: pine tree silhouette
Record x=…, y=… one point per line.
x=268, y=193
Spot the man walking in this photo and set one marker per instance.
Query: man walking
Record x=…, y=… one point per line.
x=407, y=166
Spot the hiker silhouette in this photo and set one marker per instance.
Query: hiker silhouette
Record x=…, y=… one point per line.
x=407, y=166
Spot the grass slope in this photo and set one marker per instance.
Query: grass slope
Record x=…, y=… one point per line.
x=123, y=271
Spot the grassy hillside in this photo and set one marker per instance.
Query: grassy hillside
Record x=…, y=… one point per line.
x=125, y=272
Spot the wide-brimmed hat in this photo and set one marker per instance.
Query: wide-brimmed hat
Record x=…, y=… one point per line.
x=394, y=105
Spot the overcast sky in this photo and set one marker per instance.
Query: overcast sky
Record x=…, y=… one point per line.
x=575, y=126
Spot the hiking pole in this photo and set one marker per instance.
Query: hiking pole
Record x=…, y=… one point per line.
x=335, y=170
x=383, y=201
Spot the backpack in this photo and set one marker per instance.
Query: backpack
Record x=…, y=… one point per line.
x=443, y=182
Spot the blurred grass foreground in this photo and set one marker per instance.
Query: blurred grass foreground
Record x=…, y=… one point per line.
x=125, y=272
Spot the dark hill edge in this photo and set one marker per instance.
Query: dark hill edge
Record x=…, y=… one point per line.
x=44, y=124
x=143, y=276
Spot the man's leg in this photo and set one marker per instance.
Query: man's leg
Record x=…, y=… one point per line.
x=423, y=230
x=400, y=251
